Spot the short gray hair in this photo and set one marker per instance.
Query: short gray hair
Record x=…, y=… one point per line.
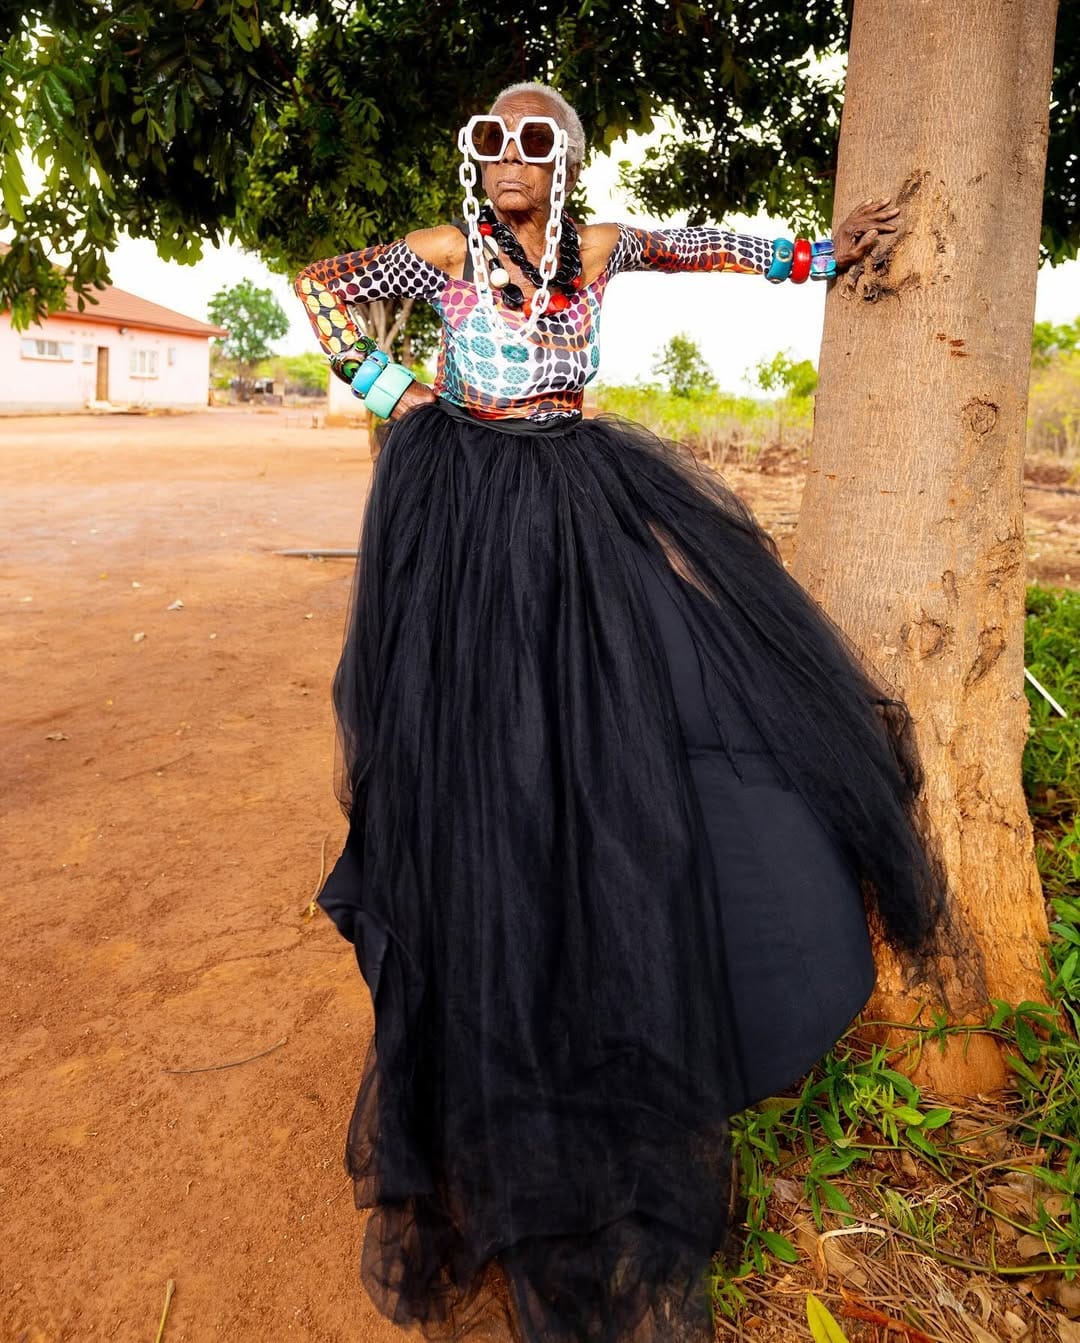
x=564, y=115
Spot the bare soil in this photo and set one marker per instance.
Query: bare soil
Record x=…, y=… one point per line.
x=181, y=1042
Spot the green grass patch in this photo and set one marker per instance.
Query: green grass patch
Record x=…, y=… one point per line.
x=715, y=424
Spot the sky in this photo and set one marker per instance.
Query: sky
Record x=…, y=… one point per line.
x=736, y=319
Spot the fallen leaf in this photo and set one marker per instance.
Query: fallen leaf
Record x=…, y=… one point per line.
x=56, y=736
x=841, y=1265
x=823, y=1326
x=971, y=1136
x=978, y=1333
x=1030, y=1247
x=787, y=1191
x=177, y=605
x=981, y=1293
x=828, y=1257
x=1014, y=1325
x=138, y=638
x=1068, y=1331
x=1067, y=1295
x=135, y=585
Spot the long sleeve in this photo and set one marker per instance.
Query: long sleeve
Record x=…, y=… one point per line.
x=689, y=249
x=388, y=270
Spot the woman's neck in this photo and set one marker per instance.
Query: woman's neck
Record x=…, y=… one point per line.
x=528, y=227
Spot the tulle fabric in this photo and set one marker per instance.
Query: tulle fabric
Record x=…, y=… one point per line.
x=541, y=1126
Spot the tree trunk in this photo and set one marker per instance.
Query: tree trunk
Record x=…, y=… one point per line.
x=911, y=531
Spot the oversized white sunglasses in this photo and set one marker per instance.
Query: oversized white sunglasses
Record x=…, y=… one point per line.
x=538, y=139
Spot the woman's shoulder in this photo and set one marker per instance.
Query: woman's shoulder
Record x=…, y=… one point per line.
x=442, y=246
x=598, y=241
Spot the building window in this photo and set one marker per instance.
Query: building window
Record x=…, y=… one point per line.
x=88, y=354
x=172, y=355
x=48, y=349
x=144, y=364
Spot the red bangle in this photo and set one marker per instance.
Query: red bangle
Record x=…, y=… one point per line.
x=800, y=263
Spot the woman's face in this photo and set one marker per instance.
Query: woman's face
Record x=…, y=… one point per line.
x=514, y=187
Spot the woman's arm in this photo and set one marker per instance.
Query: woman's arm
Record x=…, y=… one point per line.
x=387, y=270
x=689, y=249
x=708, y=248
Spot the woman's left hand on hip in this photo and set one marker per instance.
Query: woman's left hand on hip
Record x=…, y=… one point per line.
x=416, y=394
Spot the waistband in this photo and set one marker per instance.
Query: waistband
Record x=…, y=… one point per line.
x=562, y=424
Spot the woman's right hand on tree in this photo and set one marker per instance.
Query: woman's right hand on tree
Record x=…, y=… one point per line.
x=859, y=232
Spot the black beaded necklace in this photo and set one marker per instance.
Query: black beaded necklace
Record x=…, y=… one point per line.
x=567, y=279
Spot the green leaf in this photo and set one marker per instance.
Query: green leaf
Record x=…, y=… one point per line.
x=936, y=1118
x=823, y=1326
x=1022, y=1070
x=834, y=1197
x=908, y=1115
x=780, y=1246
x=918, y=1139
x=831, y=1126
x=13, y=185
x=1027, y=1040
x=904, y=1085
x=58, y=96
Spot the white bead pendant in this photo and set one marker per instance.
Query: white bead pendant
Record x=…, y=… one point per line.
x=499, y=277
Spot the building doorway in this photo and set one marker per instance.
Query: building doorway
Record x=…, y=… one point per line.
x=102, y=373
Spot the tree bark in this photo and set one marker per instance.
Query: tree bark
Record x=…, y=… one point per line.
x=911, y=530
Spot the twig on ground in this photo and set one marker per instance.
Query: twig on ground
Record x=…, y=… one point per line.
x=170, y=1287
x=309, y=908
x=235, y=1063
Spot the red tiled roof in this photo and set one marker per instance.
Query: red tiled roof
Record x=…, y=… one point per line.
x=118, y=306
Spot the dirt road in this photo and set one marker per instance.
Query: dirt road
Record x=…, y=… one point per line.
x=166, y=793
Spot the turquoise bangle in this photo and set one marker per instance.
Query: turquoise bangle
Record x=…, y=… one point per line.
x=388, y=389
x=783, y=254
x=365, y=377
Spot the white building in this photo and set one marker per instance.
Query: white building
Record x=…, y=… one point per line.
x=122, y=350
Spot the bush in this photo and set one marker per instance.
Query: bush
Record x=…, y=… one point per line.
x=716, y=424
x=683, y=367
x=1054, y=408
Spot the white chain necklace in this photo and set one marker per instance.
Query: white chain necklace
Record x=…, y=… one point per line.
x=552, y=231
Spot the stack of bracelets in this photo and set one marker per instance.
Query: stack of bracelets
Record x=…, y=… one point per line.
x=379, y=383
x=801, y=259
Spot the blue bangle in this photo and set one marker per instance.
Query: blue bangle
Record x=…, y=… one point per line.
x=823, y=260
x=388, y=389
x=783, y=254
x=366, y=375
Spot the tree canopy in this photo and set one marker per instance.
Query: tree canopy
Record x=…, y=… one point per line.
x=309, y=127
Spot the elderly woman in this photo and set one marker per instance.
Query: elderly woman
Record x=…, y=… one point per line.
x=621, y=796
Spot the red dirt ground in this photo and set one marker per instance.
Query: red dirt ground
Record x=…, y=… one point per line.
x=165, y=804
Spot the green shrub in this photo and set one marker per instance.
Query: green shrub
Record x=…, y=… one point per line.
x=716, y=424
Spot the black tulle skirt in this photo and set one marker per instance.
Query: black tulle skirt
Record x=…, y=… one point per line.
x=621, y=801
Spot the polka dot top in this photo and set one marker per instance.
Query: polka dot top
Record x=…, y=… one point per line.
x=479, y=368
